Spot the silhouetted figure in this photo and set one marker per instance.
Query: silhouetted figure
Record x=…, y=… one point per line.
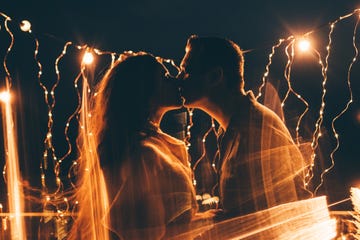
x=260, y=165
x=146, y=171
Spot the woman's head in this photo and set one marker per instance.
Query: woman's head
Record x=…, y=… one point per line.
x=135, y=87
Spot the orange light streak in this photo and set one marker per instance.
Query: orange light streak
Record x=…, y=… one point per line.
x=306, y=219
x=94, y=205
x=39, y=214
x=12, y=172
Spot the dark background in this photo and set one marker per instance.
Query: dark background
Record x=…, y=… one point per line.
x=162, y=27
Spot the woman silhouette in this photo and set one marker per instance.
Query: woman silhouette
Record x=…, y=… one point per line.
x=146, y=171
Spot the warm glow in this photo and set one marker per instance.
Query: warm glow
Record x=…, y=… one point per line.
x=304, y=45
x=357, y=117
x=5, y=96
x=305, y=219
x=12, y=172
x=25, y=26
x=88, y=58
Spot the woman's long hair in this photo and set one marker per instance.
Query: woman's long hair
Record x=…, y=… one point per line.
x=123, y=104
x=119, y=111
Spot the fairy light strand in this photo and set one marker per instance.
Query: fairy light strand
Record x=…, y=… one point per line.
x=267, y=67
x=347, y=105
x=317, y=132
x=48, y=142
x=203, y=152
x=287, y=75
x=216, y=157
x=9, y=79
x=76, y=113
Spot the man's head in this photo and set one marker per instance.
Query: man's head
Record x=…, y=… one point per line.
x=208, y=62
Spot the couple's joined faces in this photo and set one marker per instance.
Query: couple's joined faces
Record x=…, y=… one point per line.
x=167, y=94
x=193, y=78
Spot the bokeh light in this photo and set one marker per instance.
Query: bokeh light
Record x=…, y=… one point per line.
x=25, y=26
x=5, y=96
x=357, y=116
x=88, y=58
x=304, y=45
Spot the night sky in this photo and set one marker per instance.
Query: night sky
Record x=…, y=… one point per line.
x=162, y=27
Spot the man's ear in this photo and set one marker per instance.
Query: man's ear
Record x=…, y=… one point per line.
x=215, y=76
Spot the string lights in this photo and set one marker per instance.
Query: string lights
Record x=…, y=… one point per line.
x=60, y=206
x=304, y=45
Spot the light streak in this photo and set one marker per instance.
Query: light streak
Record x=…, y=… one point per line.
x=95, y=204
x=355, y=200
x=306, y=219
x=13, y=178
x=38, y=214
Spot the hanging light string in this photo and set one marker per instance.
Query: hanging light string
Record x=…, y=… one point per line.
x=287, y=75
x=51, y=198
x=203, y=152
x=74, y=166
x=347, y=105
x=324, y=68
x=8, y=75
x=49, y=152
x=267, y=66
x=48, y=142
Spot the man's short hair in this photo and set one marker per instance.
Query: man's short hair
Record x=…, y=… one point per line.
x=222, y=52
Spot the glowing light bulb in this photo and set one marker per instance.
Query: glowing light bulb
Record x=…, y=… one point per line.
x=25, y=26
x=304, y=45
x=88, y=58
x=5, y=96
